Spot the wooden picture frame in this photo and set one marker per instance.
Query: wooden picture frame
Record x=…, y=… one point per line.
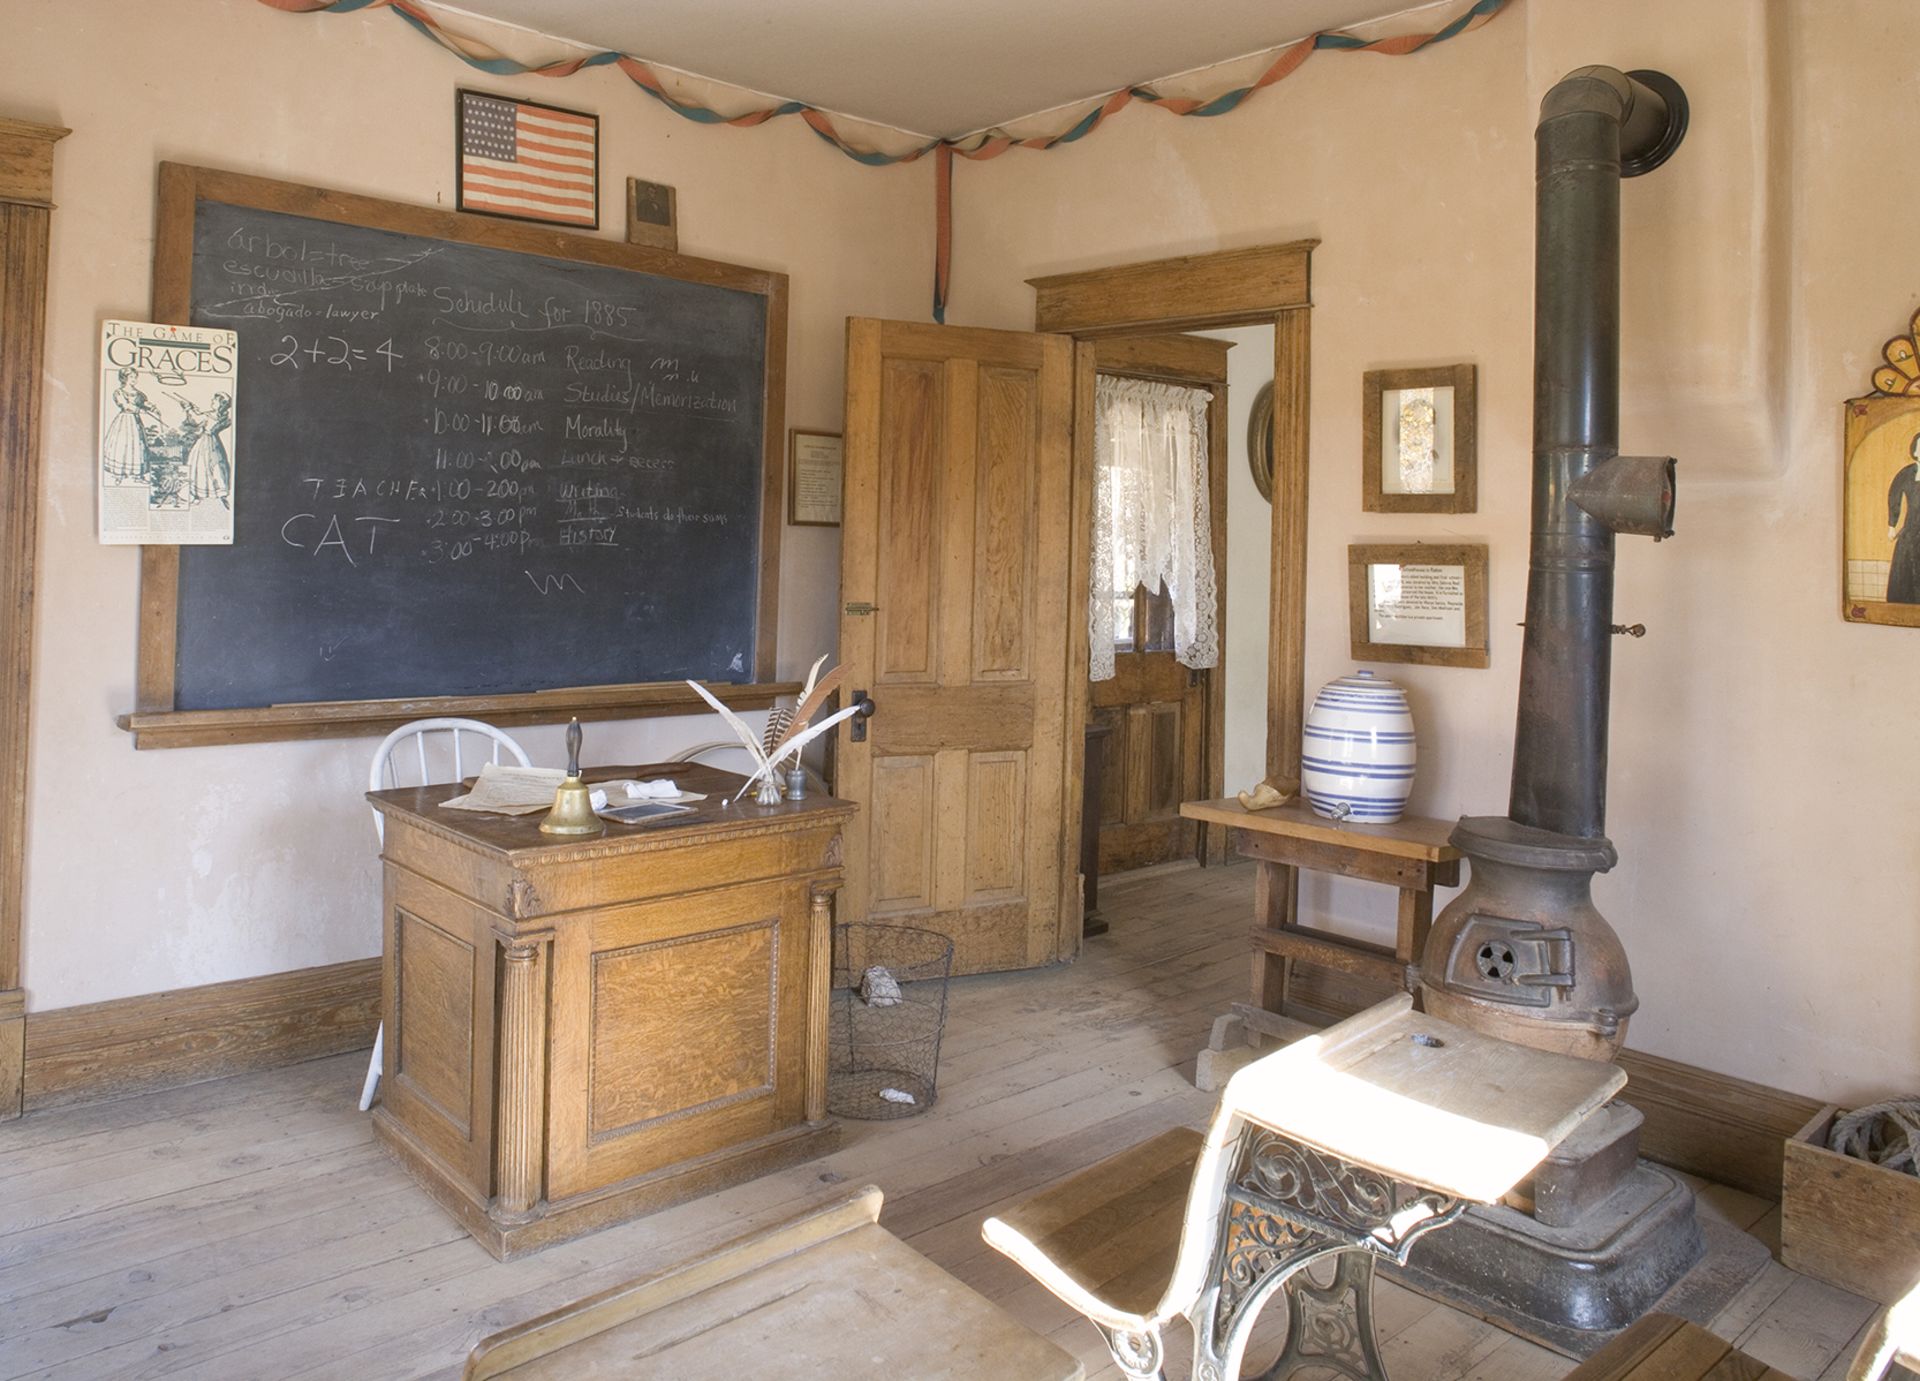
x=1880, y=511
x=816, y=470
x=1434, y=602
x=536, y=194
x=158, y=723
x=1452, y=458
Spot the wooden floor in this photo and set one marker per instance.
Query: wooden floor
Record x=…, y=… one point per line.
x=250, y=1227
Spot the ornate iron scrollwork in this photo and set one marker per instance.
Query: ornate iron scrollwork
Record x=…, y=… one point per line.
x=1288, y=1206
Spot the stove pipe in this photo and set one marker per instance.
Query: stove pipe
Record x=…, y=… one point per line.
x=1522, y=952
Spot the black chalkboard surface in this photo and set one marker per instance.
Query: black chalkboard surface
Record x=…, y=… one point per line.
x=466, y=469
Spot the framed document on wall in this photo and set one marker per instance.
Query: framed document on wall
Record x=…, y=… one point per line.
x=1424, y=603
x=815, y=464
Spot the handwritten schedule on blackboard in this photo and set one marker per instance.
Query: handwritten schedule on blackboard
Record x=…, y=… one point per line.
x=472, y=470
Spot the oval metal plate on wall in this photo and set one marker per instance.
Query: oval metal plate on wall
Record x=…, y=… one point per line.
x=1260, y=442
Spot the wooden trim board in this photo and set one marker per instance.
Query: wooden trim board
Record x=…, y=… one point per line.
x=105, y=1049
x=26, y=201
x=1233, y=287
x=1727, y=1130
x=367, y=718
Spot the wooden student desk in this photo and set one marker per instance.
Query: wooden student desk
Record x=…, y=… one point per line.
x=581, y=1031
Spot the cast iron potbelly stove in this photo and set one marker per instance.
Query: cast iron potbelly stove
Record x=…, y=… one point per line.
x=1522, y=952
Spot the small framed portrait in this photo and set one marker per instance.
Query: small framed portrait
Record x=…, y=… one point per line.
x=1417, y=448
x=527, y=161
x=1881, y=561
x=1424, y=603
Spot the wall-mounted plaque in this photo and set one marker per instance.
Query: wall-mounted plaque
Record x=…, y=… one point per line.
x=815, y=464
x=1424, y=603
x=1417, y=447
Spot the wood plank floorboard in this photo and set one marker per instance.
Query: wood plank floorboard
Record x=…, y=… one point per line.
x=250, y=1227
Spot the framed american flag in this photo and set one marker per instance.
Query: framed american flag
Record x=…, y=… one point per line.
x=528, y=161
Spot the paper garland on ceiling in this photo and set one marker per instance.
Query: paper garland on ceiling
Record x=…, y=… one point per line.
x=983, y=144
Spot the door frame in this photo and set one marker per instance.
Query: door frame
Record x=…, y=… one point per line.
x=1236, y=287
x=26, y=209
x=1194, y=362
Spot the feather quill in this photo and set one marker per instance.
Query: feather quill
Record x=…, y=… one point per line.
x=748, y=739
x=811, y=703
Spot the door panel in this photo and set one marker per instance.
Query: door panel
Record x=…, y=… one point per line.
x=956, y=539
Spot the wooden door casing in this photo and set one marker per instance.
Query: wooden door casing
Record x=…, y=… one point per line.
x=955, y=577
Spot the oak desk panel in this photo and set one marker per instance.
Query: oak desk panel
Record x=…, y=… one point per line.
x=584, y=1030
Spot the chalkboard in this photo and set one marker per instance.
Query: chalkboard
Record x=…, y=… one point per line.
x=472, y=459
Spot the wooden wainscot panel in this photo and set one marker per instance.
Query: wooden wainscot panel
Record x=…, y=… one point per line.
x=105, y=1049
x=1848, y=1222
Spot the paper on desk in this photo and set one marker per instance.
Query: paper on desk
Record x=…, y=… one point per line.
x=664, y=791
x=510, y=790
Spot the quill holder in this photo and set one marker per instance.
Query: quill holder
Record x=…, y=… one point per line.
x=572, y=812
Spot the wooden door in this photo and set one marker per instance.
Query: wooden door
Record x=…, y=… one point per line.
x=1165, y=721
x=955, y=577
x=1157, y=746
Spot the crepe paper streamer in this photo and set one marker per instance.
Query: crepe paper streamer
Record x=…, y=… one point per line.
x=981, y=145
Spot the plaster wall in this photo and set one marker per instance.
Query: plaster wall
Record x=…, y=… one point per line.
x=1762, y=785
x=156, y=870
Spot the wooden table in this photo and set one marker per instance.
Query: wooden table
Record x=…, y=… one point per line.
x=1412, y=855
x=581, y=1031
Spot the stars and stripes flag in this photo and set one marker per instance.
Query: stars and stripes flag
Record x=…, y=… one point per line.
x=530, y=161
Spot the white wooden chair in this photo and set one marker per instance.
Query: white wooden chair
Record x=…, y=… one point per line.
x=1342, y=1148
x=436, y=756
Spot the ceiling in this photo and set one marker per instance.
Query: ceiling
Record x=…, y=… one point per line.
x=934, y=67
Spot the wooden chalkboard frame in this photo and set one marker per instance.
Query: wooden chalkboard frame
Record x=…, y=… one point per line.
x=157, y=723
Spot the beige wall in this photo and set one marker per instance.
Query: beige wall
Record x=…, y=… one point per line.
x=158, y=870
x=1762, y=789
x=1764, y=793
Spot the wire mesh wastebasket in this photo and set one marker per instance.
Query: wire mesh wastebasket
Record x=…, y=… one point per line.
x=889, y=1007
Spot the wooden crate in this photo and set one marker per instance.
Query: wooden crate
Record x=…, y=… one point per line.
x=1848, y=1222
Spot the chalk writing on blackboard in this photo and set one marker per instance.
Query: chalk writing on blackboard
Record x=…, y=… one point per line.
x=453, y=442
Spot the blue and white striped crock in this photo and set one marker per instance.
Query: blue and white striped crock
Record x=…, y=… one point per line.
x=1357, y=750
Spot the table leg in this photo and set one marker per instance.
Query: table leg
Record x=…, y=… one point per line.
x=1330, y=1327
x=1287, y=1207
x=1275, y=892
x=1416, y=920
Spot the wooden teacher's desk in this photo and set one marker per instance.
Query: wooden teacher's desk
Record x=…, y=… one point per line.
x=581, y=1031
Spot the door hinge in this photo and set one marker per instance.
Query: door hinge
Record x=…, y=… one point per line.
x=860, y=608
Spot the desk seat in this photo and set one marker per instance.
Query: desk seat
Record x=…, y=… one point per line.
x=1113, y=1229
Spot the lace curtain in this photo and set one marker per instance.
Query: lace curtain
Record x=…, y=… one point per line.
x=1151, y=517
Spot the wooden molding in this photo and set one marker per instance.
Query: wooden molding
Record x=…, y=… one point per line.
x=1196, y=360
x=368, y=718
x=1727, y=1130
x=104, y=1049
x=26, y=187
x=1232, y=287
x=26, y=162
